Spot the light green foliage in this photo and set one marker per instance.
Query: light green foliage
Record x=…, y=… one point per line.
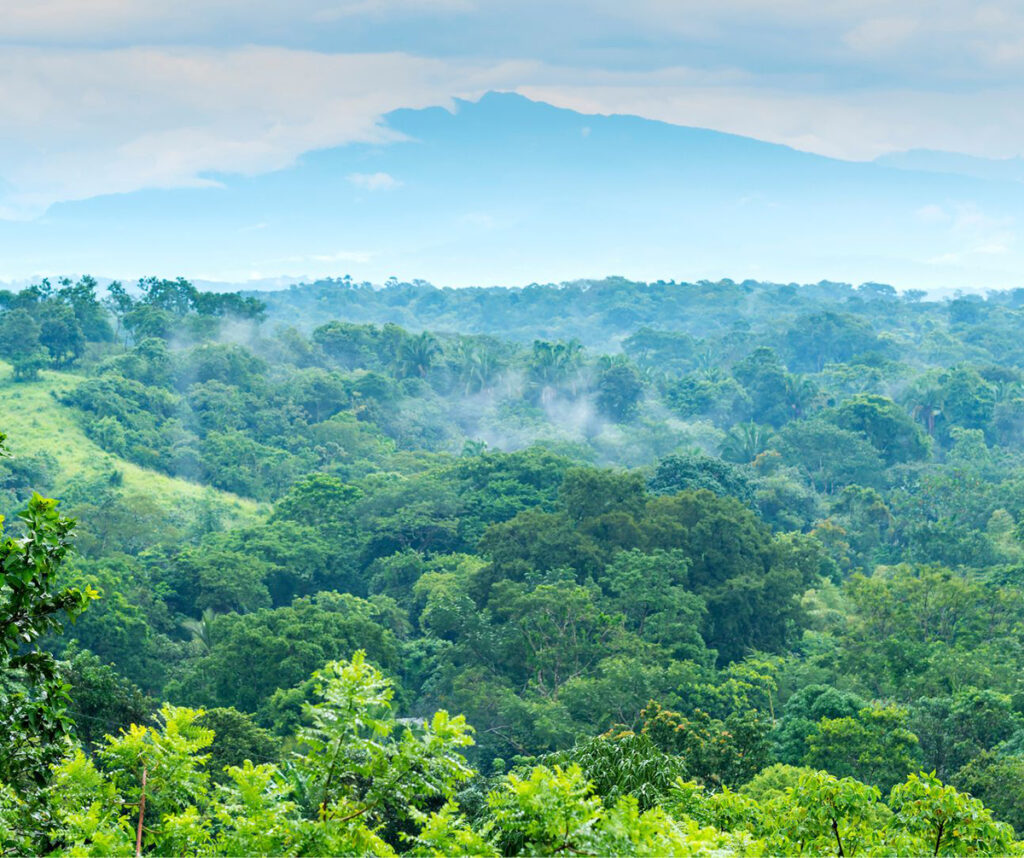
x=357, y=768
x=171, y=756
x=822, y=813
x=360, y=765
x=943, y=821
x=874, y=745
x=549, y=810
x=623, y=764
x=446, y=832
x=255, y=811
x=553, y=811
x=714, y=751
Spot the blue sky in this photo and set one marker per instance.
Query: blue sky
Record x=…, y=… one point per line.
x=119, y=96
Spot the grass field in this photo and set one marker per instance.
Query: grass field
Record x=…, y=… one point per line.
x=36, y=422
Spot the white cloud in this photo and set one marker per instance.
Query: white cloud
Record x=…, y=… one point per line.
x=374, y=181
x=84, y=122
x=232, y=86
x=933, y=213
x=878, y=35
x=119, y=22
x=853, y=124
x=973, y=233
x=339, y=256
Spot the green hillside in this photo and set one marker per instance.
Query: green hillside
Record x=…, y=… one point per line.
x=37, y=422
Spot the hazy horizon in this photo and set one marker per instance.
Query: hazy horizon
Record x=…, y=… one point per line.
x=157, y=138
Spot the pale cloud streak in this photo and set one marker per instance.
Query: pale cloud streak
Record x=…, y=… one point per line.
x=374, y=181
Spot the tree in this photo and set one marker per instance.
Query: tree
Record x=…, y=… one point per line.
x=766, y=382
x=477, y=366
x=119, y=302
x=552, y=811
x=177, y=297
x=802, y=713
x=957, y=729
x=61, y=334
x=650, y=590
x=416, y=356
x=887, y=426
x=619, y=390
x=874, y=746
x=552, y=366
x=944, y=821
x=20, y=344
x=831, y=457
x=319, y=500
x=690, y=471
x=623, y=764
x=802, y=396
x=744, y=443
x=253, y=655
x=101, y=699
x=967, y=399
x=361, y=763
x=998, y=781
x=553, y=633
x=827, y=337
x=33, y=695
x=359, y=768
x=589, y=493
x=823, y=812
x=718, y=753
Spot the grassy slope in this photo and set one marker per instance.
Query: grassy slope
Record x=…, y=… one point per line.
x=36, y=422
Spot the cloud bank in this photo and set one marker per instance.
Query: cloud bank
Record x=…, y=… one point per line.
x=112, y=96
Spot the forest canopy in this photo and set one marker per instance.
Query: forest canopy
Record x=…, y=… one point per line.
x=593, y=568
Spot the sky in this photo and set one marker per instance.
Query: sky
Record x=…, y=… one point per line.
x=118, y=96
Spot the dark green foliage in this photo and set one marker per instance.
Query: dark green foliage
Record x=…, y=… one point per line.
x=998, y=781
x=696, y=471
x=251, y=656
x=830, y=457
x=828, y=337
x=764, y=378
x=237, y=738
x=619, y=388
x=102, y=700
x=34, y=720
x=887, y=426
x=801, y=715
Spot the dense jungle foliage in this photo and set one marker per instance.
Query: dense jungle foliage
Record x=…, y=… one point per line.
x=599, y=568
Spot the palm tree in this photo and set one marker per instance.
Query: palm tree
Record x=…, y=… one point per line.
x=201, y=629
x=553, y=364
x=924, y=399
x=416, y=355
x=802, y=395
x=708, y=365
x=477, y=366
x=744, y=442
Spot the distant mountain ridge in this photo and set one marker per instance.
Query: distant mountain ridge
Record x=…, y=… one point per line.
x=931, y=161
x=511, y=191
